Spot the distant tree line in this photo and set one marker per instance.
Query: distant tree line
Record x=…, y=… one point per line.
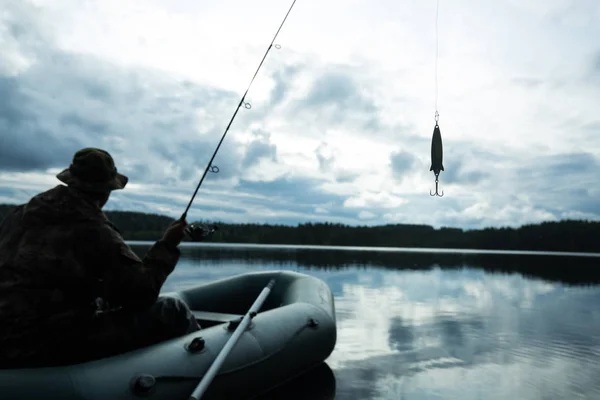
x=565, y=269
x=567, y=235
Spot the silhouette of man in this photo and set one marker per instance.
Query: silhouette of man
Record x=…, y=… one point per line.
x=71, y=289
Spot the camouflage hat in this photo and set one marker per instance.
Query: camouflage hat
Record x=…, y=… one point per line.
x=94, y=170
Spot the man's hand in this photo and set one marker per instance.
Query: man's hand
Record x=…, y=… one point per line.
x=175, y=232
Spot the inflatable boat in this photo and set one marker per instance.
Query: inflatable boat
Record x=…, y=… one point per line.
x=293, y=331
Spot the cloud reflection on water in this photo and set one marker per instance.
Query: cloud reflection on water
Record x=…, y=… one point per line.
x=448, y=334
x=469, y=335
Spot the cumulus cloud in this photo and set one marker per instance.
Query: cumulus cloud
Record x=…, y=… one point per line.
x=338, y=130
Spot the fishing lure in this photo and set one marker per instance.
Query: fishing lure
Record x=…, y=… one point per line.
x=437, y=155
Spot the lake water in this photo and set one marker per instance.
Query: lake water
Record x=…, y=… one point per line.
x=414, y=326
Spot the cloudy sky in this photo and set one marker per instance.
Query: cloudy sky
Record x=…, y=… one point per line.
x=342, y=115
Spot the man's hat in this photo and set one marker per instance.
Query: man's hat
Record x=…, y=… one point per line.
x=94, y=170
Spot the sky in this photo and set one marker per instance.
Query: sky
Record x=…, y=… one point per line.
x=342, y=114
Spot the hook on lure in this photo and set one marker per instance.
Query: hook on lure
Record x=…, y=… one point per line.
x=436, y=189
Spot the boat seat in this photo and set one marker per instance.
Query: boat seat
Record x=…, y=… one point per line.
x=214, y=316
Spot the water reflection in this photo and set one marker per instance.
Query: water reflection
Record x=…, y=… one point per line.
x=570, y=270
x=436, y=333
x=500, y=337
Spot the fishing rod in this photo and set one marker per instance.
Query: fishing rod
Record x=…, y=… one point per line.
x=215, y=169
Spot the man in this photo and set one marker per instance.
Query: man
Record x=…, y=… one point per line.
x=71, y=289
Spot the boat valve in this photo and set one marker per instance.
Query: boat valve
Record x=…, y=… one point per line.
x=197, y=344
x=144, y=384
x=233, y=324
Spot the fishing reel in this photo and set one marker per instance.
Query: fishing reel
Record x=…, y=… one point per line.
x=200, y=232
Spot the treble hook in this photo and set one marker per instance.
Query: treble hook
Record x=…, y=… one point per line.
x=436, y=189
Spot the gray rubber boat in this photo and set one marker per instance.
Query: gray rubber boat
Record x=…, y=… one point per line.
x=294, y=331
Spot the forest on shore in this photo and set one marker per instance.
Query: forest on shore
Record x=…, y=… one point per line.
x=566, y=235
x=550, y=268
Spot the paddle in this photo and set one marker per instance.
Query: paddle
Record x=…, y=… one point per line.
x=212, y=371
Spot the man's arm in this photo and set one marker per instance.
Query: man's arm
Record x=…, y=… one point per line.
x=125, y=279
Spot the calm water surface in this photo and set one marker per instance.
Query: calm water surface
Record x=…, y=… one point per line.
x=432, y=333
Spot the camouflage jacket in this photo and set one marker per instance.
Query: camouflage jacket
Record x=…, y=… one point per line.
x=58, y=255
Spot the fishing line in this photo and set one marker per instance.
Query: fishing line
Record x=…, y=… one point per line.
x=436, y=141
x=437, y=12
x=214, y=168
